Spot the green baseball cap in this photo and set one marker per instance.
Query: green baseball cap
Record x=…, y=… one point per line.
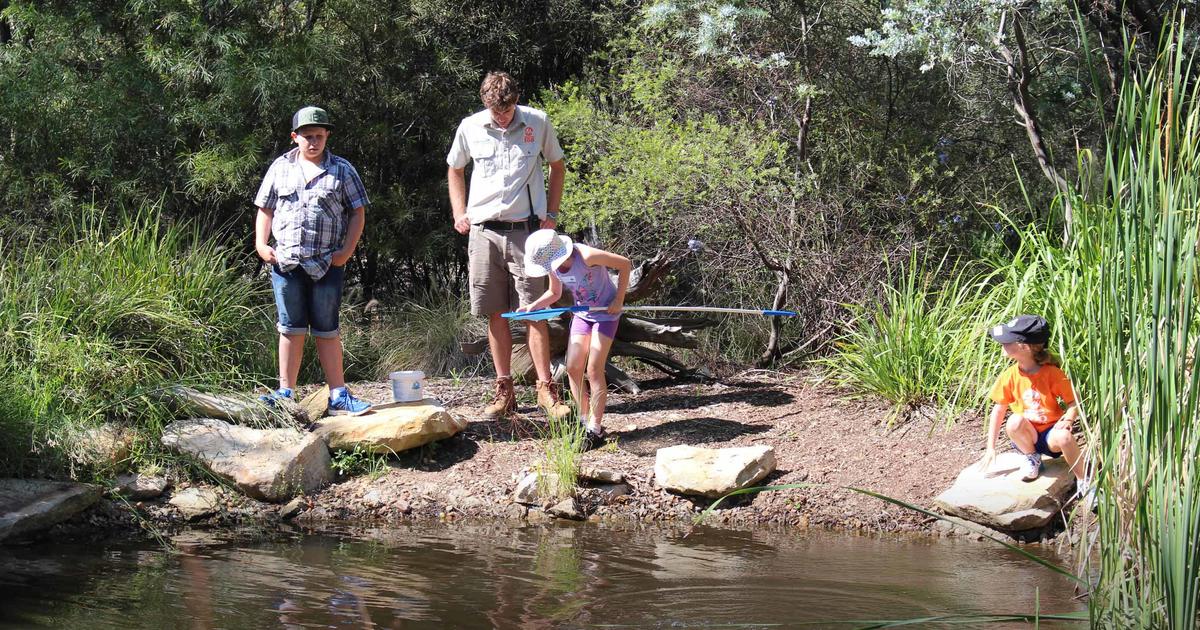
x=309, y=116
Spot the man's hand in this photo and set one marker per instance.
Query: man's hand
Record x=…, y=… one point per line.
x=341, y=257
x=989, y=458
x=462, y=225
x=267, y=253
x=548, y=224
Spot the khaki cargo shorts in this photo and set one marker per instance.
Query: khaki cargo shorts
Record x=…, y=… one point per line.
x=496, y=269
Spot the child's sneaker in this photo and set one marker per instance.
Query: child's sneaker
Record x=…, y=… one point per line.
x=274, y=398
x=346, y=404
x=1031, y=467
x=1086, y=493
x=593, y=440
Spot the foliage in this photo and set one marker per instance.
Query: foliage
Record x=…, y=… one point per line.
x=187, y=103
x=360, y=461
x=1143, y=394
x=918, y=346
x=1121, y=297
x=96, y=320
x=562, y=450
x=422, y=334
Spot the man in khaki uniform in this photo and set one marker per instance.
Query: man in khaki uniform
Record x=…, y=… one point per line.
x=507, y=143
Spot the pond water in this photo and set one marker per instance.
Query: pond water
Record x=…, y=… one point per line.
x=500, y=576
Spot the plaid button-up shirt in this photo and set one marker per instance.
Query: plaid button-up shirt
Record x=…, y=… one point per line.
x=309, y=221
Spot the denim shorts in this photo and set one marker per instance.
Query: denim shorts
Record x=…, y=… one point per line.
x=1043, y=446
x=304, y=303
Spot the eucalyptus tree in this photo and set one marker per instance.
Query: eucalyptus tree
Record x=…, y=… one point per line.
x=1038, y=50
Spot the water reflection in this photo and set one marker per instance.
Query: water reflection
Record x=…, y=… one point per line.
x=496, y=576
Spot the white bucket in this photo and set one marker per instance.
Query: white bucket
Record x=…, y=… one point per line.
x=407, y=385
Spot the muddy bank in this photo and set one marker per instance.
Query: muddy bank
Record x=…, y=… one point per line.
x=820, y=436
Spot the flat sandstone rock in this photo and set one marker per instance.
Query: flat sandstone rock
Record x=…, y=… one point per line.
x=1001, y=500
x=236, y=408
x=266, y=464
x=711, y=472
x=391, y=428
x=196, y=502
x=28, y=505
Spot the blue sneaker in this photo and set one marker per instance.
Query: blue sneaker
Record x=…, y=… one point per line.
x=345, y=404
x=270, y=400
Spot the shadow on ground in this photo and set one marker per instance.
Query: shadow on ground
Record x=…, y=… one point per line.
x=759, y=395
x=438, y=456
x=690, y=431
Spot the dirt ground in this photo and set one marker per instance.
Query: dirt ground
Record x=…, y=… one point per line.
x=820, y=435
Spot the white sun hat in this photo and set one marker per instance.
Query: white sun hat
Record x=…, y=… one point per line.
x=546, y=250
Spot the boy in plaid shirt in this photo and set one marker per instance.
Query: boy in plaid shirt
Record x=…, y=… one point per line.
x=313, y=203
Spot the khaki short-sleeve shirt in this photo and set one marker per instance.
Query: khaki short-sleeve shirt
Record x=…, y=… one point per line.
x=508, y=164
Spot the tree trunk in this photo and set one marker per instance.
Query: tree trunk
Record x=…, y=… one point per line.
x=5, y=28
x=1018, y=68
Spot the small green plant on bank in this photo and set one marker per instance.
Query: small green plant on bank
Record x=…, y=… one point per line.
x=562, y=449
x=359, y=461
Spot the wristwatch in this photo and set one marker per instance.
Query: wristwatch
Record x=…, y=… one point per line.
x=553, y=216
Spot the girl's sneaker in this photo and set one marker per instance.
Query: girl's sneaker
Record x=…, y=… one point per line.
x=594, y=439
x=1031, y=467
x=346, y=404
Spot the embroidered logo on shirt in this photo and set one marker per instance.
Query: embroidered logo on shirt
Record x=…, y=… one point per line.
x=528, y=135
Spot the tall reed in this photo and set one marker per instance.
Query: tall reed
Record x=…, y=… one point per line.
x=1143, y=392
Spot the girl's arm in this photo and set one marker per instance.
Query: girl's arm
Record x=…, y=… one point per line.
x=592, y=257
x=553, y=292
x=997, y=417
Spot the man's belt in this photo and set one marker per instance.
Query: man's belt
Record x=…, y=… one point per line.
x=505, y=226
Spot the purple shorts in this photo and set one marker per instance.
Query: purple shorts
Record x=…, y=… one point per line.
x=581, y=326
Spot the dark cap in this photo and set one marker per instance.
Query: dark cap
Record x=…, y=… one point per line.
x=1022, y=329
x=311, y=116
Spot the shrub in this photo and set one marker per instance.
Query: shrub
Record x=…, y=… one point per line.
x=98, y=319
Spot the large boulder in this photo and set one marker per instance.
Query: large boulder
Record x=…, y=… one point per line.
x=28, y=505
x=391, y=428
x=267, y=464
x=711, y=472
x=999, y=499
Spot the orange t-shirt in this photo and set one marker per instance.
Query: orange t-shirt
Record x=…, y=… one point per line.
x=1034, y=396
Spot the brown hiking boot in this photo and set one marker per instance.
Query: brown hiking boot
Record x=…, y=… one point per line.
x=547, y=399
x=505, y=401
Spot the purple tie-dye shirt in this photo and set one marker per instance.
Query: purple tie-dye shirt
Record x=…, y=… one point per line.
x=590, y=286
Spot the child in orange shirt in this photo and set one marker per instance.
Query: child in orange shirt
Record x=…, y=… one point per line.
x=1031, y=389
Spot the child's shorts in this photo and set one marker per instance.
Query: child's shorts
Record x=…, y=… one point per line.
x=306, y=305
x=581, y=327
x=1043, y=447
